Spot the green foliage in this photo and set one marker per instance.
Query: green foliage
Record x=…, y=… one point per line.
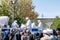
x=4, y=9
x=56, y=22
x=26, y=9
x=22, y=9
x=20, y=20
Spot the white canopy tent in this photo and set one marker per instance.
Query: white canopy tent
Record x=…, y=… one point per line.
x=4, y=20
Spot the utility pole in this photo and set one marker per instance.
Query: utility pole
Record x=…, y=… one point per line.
x=12, y=2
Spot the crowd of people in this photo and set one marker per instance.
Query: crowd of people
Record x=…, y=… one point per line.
x=25, y=33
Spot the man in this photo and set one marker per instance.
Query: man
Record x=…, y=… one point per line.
x=45, y=36
x=15, y=25
x=50, y=33
x=40, y=26
x=33, y=25
x=58, y=33
x=28, y=24
x=25, y=36
x=23, y=26
x=18, y=36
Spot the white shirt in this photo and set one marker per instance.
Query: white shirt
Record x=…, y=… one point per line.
x=33, y=25
x=15, y=25
x=40, y=26
x=23, y=26
x=28, y=24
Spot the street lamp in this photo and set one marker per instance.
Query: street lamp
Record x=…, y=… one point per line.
x=12, y=2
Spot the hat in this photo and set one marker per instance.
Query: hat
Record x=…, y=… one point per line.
x=27, y=18
x=39, y=21
x=15, y=21
x=49, y=31
x=44, y=31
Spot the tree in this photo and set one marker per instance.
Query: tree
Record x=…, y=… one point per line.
x=22, y=9
x=56, y=22
x=26, y=9
x=4, y=8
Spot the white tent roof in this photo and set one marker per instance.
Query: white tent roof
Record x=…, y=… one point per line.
x=4, y=20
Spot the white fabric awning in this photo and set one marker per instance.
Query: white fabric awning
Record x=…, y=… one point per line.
x=4, y=20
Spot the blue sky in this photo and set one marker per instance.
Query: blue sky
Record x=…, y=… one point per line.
x=50, y=8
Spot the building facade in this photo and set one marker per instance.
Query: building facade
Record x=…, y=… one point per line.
x=47, y=22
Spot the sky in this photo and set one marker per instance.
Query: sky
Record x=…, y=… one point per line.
x=47, y=8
